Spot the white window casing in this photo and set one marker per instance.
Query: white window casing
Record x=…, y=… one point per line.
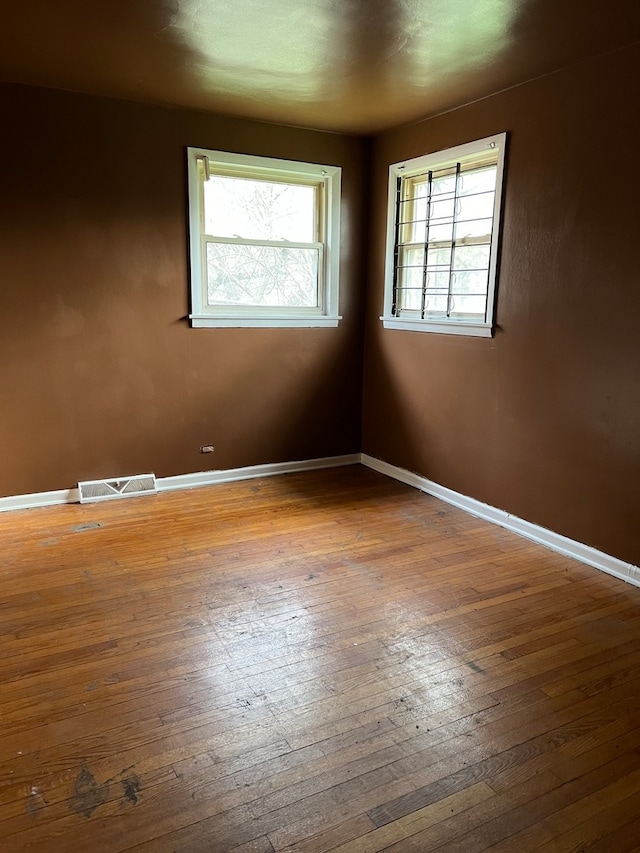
x=313, y=255
x=443, y=225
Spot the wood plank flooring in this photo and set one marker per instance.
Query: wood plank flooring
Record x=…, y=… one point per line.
x=328, y=661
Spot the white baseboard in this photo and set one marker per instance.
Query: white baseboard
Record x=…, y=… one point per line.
x=186, y=481
x=554, y=541
x=210, y=478
x=59, y=496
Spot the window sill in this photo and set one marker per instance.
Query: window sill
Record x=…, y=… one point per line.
x=477, y=330
x=199, y=321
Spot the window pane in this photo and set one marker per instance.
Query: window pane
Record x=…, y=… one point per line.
x=410, y=277
x=443, y=185
x=413, y=214
x=411, y=256
x=439, y=258
x=471, y=257
x=476, y=207
x=442, y=210
x=441, y=233
x=268, y=276
x=477, y=181
x=473, y=228
x=409, y=281
x=413, y=231
x=438, y=282
x=409, y=299
x=436, y=305
x=470, y=281
x=259, y=210
x=471, y=307
x=410, y=267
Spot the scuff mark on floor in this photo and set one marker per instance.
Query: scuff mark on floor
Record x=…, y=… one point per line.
x=36, y=801
x=88, y=525
x=88, y=795
x=131, y=789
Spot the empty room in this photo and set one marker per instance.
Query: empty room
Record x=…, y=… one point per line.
x=320, y=426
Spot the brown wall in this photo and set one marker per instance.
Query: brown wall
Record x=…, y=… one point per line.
x=100, y=374
x=543, y=420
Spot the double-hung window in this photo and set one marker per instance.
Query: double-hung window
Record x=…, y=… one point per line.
x=442, y=239
x=264, y=241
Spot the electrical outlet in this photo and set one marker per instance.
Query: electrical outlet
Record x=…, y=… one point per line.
x=207, y=448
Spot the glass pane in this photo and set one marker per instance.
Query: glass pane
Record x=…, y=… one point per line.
x=409, y=281
x=411, y=232
x=471, y=257
x=436, y=305
x=477, y=181
x=438, y=282
x=443, y=185
x=413, y=214
x=411, y=256
x=409, y=299
x=438, y=258
x=470, y=281
x=442, y=210
x=410, y=277
x=474, y=228
x=418, y=189
x=268, y=276
x=259, y=210
x=419, y=208
x=441, y=233
x=476, y=207
x=470, y=307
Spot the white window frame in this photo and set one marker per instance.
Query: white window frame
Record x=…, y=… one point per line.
x=327, y=178
x=417, y=166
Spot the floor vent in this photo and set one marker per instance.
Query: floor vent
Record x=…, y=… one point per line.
x=123, y=487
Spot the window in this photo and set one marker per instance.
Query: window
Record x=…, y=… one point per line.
x=442, y=239
x=264, y=241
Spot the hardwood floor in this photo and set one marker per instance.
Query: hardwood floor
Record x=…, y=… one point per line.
x=314, y=662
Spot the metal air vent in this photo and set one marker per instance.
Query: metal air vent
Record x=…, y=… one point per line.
x=122, y=487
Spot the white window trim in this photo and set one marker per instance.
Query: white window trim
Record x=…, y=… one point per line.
x=416, y=166
x=326, y=315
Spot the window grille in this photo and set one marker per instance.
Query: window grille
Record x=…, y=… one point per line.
x=443, y=238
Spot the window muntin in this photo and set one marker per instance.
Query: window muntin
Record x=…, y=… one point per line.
x=442, y=239
x=264, y=241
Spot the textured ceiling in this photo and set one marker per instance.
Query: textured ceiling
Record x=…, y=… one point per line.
x=347, y=65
